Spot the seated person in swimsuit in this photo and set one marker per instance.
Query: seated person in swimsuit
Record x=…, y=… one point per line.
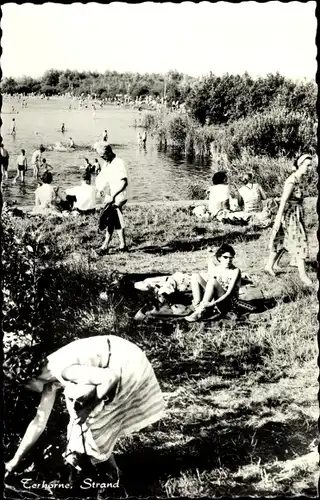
x=219, y=194
x=218, y=287
x=251, y=195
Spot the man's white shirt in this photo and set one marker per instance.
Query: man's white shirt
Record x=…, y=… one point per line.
x=112, y=175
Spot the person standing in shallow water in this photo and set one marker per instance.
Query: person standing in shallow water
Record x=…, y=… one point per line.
x=22, y=166
x=4, y=161
x=288, y=233
x=13, y=127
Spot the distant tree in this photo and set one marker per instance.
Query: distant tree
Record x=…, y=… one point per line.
x=9, y=85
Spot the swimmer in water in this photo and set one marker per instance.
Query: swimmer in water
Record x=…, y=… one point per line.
x=105, y=136
x=63, y=128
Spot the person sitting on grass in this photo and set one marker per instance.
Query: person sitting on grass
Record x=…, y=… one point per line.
x=46, y=196
x=219, y=194
x=85, y=195
x=250, y=195
x=219, y=288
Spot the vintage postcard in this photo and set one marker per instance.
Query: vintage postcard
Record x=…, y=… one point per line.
x=159, y=250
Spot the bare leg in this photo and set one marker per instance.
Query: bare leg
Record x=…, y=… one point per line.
x=16, y=177
x=276, y=266
x=273, y=257
x=107, y=240
x=114, y=466
x=213, y=290
x=198, y=285
x=121, y=232
x=122, y=238
x=302, y=272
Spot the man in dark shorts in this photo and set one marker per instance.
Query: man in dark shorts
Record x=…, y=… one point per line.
x=113, y=174
x=4, y=161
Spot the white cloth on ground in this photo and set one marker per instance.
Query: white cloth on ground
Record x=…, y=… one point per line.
x=85, y=194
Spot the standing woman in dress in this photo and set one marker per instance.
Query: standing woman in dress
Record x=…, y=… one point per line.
x=110, y=390
x=289, y=232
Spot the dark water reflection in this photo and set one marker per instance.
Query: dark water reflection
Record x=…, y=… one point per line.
x=154, y=175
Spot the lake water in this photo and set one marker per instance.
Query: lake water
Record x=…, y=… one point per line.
x=153, y=175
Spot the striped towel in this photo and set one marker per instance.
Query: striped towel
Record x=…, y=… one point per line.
x=138, y=402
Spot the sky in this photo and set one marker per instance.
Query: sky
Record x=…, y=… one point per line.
x=192, y=38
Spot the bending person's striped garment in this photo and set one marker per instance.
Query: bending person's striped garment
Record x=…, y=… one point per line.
x=137, y=400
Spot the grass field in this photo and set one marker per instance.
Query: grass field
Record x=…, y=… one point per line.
x=241, y=395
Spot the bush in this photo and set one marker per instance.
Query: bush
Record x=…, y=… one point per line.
x=197, y=191
x=277, y=132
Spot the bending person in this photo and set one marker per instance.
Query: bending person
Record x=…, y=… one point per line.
x=110, y=390
x=113, y=174
x=289, y=232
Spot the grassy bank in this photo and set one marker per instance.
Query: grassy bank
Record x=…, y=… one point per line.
x=241, y=395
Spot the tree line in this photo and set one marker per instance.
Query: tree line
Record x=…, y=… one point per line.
x=209, y=99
